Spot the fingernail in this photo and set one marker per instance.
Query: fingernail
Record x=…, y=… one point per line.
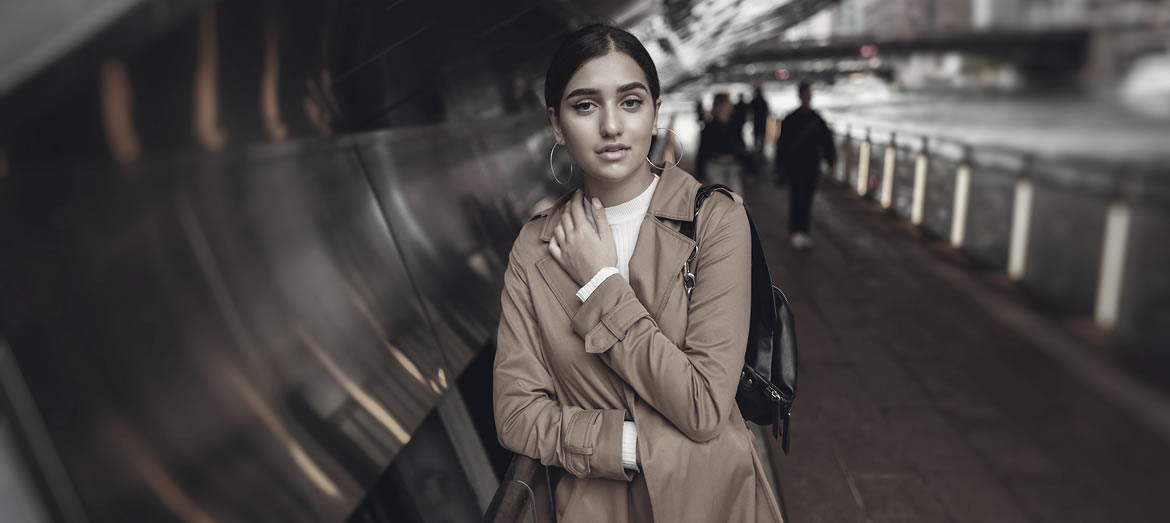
x=596, y=203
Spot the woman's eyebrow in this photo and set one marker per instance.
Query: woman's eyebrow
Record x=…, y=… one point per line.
x=583, y=92
x=594, y=92
x=631, y=86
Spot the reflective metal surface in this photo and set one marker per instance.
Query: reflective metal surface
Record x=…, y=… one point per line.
x=246, y=254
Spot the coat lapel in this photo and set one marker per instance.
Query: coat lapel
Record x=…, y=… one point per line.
x=561, y=283
x=657, y=262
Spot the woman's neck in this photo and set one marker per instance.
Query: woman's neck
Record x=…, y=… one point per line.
x=618, y=192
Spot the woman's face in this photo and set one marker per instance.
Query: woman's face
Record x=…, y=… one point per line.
x=606, y=117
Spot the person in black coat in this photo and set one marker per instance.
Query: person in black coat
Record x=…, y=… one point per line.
x=759, y=110
x=739, y=116
x=721, y=147
x=805, y=140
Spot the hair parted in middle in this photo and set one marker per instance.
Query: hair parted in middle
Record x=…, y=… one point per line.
x=586, y=44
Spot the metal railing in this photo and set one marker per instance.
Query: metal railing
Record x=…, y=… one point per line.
x=525, y=494
x=1080, y=233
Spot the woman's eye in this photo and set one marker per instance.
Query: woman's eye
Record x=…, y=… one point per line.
x=632, y=102
x=583, y=106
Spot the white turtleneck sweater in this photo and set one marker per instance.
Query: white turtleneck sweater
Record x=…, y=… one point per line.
x=625, y=220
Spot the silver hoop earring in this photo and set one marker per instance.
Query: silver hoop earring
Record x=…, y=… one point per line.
x=681, y=151
x=554, y=171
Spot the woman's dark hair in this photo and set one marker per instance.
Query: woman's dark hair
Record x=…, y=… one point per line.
x=586, y=44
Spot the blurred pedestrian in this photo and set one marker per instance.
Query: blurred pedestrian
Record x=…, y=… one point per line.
x=721, y=147
x=759, y=110
x=740, y=115
x=805, y=140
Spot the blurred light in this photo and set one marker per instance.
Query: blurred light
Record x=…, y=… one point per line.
x=399, y=356
x=118, y=113
x=875, y=62
x=782, y=74
x=132, y=451
x=869, y=50
x=206, y=104
x=269, y=90
x=272, y=422
x=750, y=69
x=1021, y=217
x=363, y=399
x=1112, y=265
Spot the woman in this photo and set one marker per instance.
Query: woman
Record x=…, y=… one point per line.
x=721, y=147
x=605, y=368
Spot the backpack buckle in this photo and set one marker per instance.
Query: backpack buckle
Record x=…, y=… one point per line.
x=688, y=274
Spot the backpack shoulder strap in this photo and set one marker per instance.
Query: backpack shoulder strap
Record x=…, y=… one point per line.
x=688, y=228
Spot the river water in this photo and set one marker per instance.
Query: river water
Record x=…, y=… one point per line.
x=1048, y=124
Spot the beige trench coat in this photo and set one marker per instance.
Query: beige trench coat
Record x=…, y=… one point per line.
x=568, y=374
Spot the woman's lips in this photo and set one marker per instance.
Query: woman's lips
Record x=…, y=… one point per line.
x=613, y=155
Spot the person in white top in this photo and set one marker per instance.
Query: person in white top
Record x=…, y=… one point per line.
x=641, y=419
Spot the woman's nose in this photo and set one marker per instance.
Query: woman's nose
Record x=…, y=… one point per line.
x=611, y=124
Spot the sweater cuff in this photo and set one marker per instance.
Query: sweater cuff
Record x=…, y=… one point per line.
x=630, y=446
x=591, y=285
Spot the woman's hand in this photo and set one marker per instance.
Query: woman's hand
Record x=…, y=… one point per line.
x=579, y=249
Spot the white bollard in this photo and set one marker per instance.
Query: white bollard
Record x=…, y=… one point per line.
x=888, y=176
x=1021, y=223
x=962, y=195
x=919, y=190
x=863, y=168
x=1112, y=264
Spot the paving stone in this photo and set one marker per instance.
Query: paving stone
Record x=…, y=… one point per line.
x=975, y=499
x=900, y=499
x=814, y=486
x=1060, y=501
x=1009, y=454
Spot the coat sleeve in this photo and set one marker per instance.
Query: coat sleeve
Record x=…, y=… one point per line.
x=693, y=386
x=782, y=146
x=828, y=146
x=529, y=420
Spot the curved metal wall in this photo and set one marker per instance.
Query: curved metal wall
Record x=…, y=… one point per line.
x=244, y=258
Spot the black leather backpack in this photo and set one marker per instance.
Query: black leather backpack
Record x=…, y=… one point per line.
x=767, y=385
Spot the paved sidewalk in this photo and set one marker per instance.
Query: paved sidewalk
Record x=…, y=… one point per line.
x=920, y=403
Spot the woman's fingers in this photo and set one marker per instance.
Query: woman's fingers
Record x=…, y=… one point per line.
x=601, y=220
x=559, y=233
x=554, y=249
x=578, y=209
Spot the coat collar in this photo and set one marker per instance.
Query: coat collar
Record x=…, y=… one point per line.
x=673, y=199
